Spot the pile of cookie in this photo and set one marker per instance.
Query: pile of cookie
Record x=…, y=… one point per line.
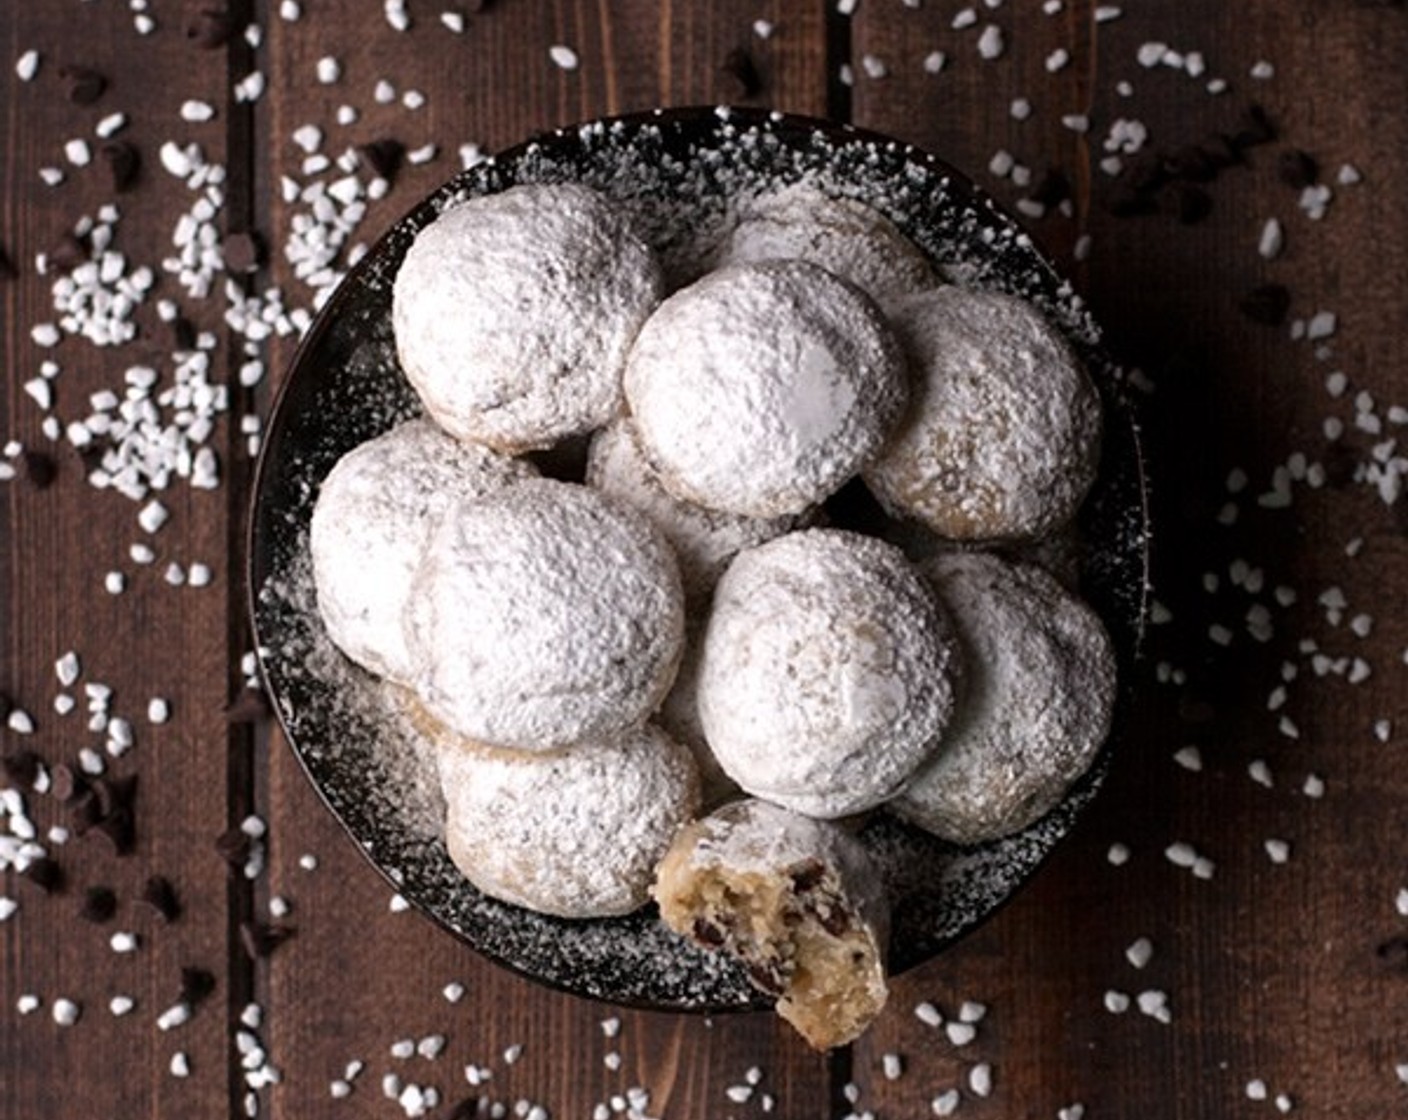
x=682, y=676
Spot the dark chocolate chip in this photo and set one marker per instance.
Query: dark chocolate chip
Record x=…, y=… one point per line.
x=1394, y=952
x=233, y=847
x=834, y=919
x=384, y=156
x=1192, y=163
x=1297, y=169
x=84, y=810
x=1267, y=303
x=250, y=705
x=160, y=895
x=82, y=86
x=68, y=254
x=99, y=904
x=124, y=163
x=706, y=933
x=208, y=24
x=739, y=75
x=46, y=874
x=21, y=768
x=1053, y=188
x=183, y=333
x=807, y=876
x=196, y=984
x=115, y=794
x=768, y=979
x=244, y=252
x=40, y=469
x=262, y=938
x=1186, y=202
x=467, y=1109
x=8, y=271
x=67, y=784
x=119, y=828
x=1253, y=128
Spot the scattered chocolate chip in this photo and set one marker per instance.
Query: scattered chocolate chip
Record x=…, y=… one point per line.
x=262, y=938
x=84, y=810
x=232, y=845
x=244, y=252
x=66, y=784
x=21, y=768
x=765, y=978
x=250, y=705
x=208, y=25
x=740, y=76
x=99, y=905
x=182, y=332
x=46, y=874
x=1053, y=188
x=1394, y=952
x=1297, y=169
x=8, y=271
x=119, y=828
x=384, y=157
x=115, y=794
x=1187, y=202
x=124, y=163
x=82, y=86
x=68, y=254
x=1253, y=128
x=1267, y=303
x=160, y=895
x=834, y=919
x=196, y=984
x=40, y=469
x=467, y=1109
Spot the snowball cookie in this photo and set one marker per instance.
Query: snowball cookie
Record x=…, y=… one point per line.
x=1037, y=706
x=679, y=715
x=762, y=388
x=374, y=514
x=828, y=671
x=544, y=614
x=1003, y=437
x=513, y=313
x=797, y=900
x=842, y=235
x=575, y=833
x=704, y=540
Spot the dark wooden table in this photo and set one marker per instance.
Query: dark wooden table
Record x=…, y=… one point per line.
x=1278, y=557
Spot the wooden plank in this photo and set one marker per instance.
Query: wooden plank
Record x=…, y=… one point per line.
x=1271, y=971
x=154, y=640
x=494, y=85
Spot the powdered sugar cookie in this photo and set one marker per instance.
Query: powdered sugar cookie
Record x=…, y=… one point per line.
x=544, y=614
x=797, y=900
x=704, y=540
x=846, y=237
x=1036, y=708
x=828, y=672
x=376, y=510
x=513, y=313
x=576, y=833
x=1002, y=438
x=761, y=388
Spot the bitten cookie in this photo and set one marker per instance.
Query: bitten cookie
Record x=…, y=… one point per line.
x=762, y=388
x=828, y=672
x=513, y=313
x=797, y=900
x=704, y=540
x=544, y=614
x=374, y=514
x=1036, y=709
x=799, y=222
x=1002, y=437
x=576, y=833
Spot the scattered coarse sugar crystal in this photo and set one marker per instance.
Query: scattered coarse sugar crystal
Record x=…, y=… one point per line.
x=398, y=904
x=1139, y=952
x=612, y=1060
x=28, y=1004
x=563, y=56
x=67, y=669
x=1106, y=12
x=1400, y=902
x=971, y=1011
x=1278, y=851
x=27, y=66
x=119, y=1006
x=66, y=1012
x=338, y=1089
x=960, y=1034
x=610, y=1027
x=1256, y=1090
x=329, y=70
x=874, y=66
x=1383, y=730
x=991, y=43
x=1118, y=854
x=1190, y=758
x=934, y=62
x=124, y=941
x=1272, y=240
x=1313, y=787
x=739, y=1094
x=177, y=1015
x=1262, y=70
x=180, y=1064
x=1287, y=727
x=1154, y=1003
x=1284, y=1102
x=114, y=583
x=20, y=722
x=8, y=906
x=946, y=1103
x=1056, y=61
x=928, y=1014
x=309, y=862
x=453, y=992
x=413, y=99
x=1071, y=1112
x=980, y=1079
x=403, y=1048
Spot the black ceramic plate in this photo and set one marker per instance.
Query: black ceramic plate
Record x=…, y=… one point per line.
x=677, y=171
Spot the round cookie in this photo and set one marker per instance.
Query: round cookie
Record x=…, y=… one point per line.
x=679, y=715
x=374, y=513
x=1036, y=709
x=575, y=833
x=513, y=313
x=544, y=614
x=828, y=672
x=797, y=901
x=846, y=237
x=762, y=388
x=704, y=540
x=1002, y=438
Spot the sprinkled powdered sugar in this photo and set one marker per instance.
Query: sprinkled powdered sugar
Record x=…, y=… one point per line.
x=828, y=671
x=576, y=833
x=375, y=512
x=513, y=314
x=543, y=614
x=1036, y=708
x=1003, y=438
x=841, y=235
x=681, y=176
x=704, y=540
x=763, y=387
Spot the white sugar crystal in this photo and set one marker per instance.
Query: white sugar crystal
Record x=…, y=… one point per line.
x=66, y=1012
x=946, y=1103
x=960, y=1034
x=27, y=66
x=1278, y=851
x=329, y=70
x=1139, y=952
x=124, y=941
x=8, y=906
x=1057, y=60
x=1118, y=855
x=934, y=62
x=991, y=43
x=180, y=1064
x=158, y=710
x=892, y=1066
x=563, y=57
x=763, y=28
x=980, y=1079
x=121, y=1005
x=27, y=1004
x=197, y=111
x=928, y=1014
x=1272, y=240
x=1263, y=70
